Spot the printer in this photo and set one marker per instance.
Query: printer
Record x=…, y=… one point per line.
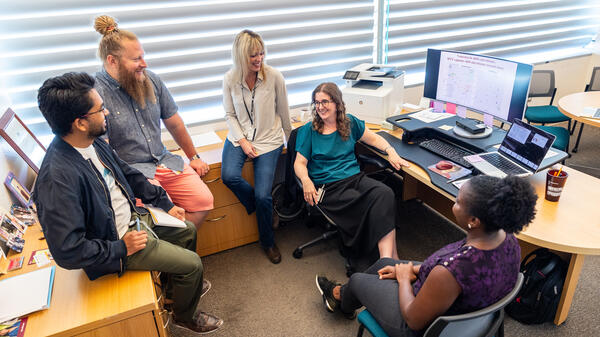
x=373, y=92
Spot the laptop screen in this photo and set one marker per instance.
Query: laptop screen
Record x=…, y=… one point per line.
x=526, y=144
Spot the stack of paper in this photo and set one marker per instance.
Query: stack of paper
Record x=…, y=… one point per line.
x=26, y=293
x=207, y=138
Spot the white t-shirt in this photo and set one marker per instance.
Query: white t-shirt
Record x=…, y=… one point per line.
x=120, y=204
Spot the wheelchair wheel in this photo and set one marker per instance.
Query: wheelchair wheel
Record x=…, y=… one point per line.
x=287, y=211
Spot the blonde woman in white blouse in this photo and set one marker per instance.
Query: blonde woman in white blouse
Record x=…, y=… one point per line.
x=257, y=114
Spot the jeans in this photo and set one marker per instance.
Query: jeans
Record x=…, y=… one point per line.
x=257, y=198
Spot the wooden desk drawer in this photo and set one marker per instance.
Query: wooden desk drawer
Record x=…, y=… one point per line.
x=226, y=227
x=221, y=193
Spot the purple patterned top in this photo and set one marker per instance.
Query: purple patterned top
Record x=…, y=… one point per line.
x=485, y=276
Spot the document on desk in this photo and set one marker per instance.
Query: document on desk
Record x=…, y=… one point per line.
x=207, y=138
x=428, y=116
x=26, y=293
x=591, y=112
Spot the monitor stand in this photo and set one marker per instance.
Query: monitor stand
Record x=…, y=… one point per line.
x=466, y=134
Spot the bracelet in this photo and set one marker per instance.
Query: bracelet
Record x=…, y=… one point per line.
x=194, y=157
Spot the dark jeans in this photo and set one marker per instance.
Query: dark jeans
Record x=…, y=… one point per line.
x=257, y=198
x=380, y=297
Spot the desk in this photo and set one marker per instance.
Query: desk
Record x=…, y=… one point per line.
x=573, y=105
x=227, y=225
x=107, y=306
x=415, y=131
x=570, y=227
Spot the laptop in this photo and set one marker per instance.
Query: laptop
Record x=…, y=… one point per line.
x=521, y=152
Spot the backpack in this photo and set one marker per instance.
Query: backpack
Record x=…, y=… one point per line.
x=538, y=299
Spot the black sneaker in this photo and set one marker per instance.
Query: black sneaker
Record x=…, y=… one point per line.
x=326, y=289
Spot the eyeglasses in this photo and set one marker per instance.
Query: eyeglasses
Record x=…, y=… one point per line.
x=102, y=109
x=323, y=103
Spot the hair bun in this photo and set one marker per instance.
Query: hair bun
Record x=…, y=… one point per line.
x=105, y=24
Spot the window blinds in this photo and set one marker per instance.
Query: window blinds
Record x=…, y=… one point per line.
x=188, y=43
x=527, y=31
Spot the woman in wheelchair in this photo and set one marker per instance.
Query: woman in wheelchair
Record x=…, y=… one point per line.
x=462, y=277
x=362, y=208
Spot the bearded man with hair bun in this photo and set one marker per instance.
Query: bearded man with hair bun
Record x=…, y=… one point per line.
x=139, y=100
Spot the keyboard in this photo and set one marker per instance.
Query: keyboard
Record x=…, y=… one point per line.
x=448, y=151
x=503, y=164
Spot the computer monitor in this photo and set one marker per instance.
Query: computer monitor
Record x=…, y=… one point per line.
x=480, y=83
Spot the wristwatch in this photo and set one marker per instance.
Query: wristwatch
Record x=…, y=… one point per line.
x=194, y=157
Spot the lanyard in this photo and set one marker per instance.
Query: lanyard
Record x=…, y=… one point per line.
x=251, y=111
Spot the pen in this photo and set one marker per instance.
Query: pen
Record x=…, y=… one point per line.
x=137, y=224
x=558, y=173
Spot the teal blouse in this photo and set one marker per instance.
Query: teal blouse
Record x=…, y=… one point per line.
x=329, y=157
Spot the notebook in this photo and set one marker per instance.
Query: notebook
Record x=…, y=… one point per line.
x=26, y=293
x=162, y=218
x=521, y=152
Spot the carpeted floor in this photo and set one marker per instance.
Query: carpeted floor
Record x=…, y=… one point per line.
x=257, y=298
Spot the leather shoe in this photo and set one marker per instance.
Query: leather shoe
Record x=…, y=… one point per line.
x=203, y=323
x=273, y=254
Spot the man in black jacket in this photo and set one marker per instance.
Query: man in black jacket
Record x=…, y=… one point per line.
x=85, y=196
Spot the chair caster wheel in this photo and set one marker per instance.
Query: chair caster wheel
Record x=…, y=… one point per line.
x=297, y=253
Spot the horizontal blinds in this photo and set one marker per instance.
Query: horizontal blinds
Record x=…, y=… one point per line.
x=527, y=31
x=188, y=43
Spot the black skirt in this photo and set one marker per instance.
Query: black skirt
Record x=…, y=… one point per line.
x=362, y=208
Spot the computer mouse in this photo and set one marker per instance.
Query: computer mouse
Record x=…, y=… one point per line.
x=444, y=165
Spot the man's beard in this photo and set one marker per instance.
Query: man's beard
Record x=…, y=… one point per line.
x=140, y=91
x=97, y=132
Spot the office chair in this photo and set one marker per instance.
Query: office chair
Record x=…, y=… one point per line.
x=487, y=322
x=542, y=85
x=331, y=230
x=594, y=85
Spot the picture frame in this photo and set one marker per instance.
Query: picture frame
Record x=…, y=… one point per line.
x=21, y=139
x=18, y=190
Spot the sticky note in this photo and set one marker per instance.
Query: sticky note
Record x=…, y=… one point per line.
x=451, y=108
x=446, y=127
x=461, y=111
x=438, y=106
x=425, y=103
x=488, y=120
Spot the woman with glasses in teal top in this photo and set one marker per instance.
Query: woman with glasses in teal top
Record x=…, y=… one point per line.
x=363, y=208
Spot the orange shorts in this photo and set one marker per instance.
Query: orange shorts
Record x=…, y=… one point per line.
x=185, y=189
